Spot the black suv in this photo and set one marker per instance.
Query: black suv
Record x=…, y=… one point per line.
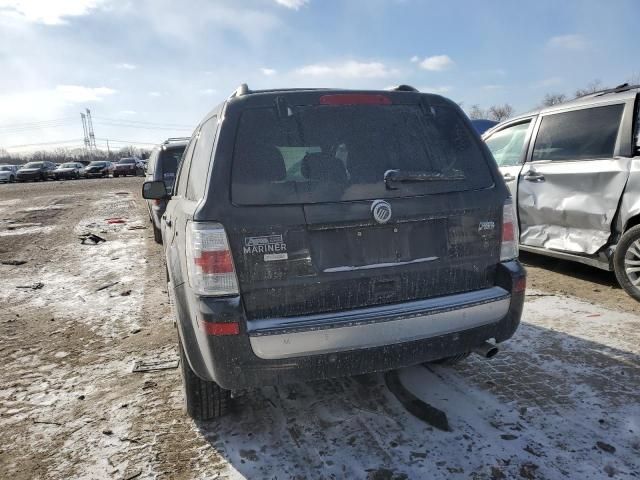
x=35, y=171
x=162, y=166
x=322, y=233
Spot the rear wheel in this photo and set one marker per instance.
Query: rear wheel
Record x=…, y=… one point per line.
x=203, y=400
x=157, y=234
x=12, y=179
x=626, y=262
x=115, y=175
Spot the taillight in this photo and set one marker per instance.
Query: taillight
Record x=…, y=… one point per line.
x=210, y=264
x=354, y=99
x=509, y=245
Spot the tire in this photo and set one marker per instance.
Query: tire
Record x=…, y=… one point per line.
x=157, y=234
x=626, y=262
x=12, y=179
x=115, y=175
x=452, y=360
x=203, y=400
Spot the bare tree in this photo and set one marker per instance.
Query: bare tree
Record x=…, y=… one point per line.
x=592, y=87
x=634, y=79
x=475, y=112
x=551, y=99
x=500, y=112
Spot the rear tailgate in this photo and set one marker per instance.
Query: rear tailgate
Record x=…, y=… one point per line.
x=319, y=266
x=304, y=235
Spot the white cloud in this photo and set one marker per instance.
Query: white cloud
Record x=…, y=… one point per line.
x=569, y=42
x=493, y=87
x=49, y=12
x=126, y=66
x=155, y=94
x=440, y=89
x=269, y=72
x=350, y=69
x=437, y=63
x=49, y=103
x=208, y=91
x=414, y=59
x=80, y=94
x=293, y=4
x=548, y=82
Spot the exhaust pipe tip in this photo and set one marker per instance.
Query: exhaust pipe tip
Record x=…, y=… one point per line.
x=492, y=352
x=486, y=350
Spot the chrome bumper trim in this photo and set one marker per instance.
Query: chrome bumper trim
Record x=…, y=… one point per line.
x=377, y=326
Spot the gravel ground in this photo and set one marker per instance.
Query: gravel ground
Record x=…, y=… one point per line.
x=559, y=401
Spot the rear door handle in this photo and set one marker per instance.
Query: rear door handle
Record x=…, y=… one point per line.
x=508, y=177
x=534, y=177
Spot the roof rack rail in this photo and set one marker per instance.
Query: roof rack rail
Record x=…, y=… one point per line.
x=175, y=139
x=404, y=88
x=620, y=88
x=243, y=89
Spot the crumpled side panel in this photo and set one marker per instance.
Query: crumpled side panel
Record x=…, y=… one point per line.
x=573, y=208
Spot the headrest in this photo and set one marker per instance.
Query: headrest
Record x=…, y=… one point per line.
x=323, y=167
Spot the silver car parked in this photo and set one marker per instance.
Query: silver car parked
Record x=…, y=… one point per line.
x=8, y=173
x=574, y=173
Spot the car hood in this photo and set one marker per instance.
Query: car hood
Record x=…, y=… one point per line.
x=28, y=170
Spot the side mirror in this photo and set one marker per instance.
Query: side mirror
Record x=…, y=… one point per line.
x=155, y=190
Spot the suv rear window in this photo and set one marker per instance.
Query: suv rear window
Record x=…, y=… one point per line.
x=341, y=153
x=167, y=164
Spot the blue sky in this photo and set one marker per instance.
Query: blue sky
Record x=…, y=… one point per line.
x=141, y=62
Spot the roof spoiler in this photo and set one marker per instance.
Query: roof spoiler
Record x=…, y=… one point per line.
x=243, y=89
x=403, y=88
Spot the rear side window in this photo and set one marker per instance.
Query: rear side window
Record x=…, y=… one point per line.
x=329, y=153
x=167, y=165
x=185, y=163
x=582, y=134
x=151, y=166
x=201, y=158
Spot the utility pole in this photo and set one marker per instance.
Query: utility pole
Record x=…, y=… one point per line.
x=92, y=137
x=84, y=129
x=87, y=144
x=108, y=149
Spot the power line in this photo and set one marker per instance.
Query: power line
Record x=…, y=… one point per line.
x=121, y=125
x=160, y=124
x=130, y=142
x=60, y=142
x=36, y=123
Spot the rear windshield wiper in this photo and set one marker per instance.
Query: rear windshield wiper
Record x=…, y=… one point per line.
x=400, y=176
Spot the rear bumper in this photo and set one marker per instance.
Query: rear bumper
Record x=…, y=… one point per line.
x=268, y=352
x=378, y=326
x=29, y=176
x=65, y=175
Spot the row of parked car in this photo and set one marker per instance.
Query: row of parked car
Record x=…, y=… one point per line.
x=40, y=171
x=315, y=233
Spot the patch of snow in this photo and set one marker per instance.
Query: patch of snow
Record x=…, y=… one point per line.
x=26, y=230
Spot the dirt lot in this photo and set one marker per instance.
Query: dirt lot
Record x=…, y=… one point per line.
x=561, y=400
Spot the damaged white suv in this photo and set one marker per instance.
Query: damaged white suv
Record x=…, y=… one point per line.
x=574, y=169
